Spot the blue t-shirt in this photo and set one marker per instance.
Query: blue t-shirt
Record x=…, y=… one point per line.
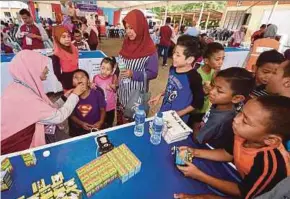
x=183, y=90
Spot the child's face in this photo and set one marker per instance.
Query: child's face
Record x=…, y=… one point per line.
x=277, y=82
x=251, y=124
x=221, y=92
x=216, y=60
x=264, y=73
x=80, y=78
x=106, y=69
x=65, y=39
x=78, y=37
x=179, y=59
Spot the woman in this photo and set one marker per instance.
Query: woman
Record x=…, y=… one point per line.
x=27, y=113
x=139, y=54
x=271, y=31
x=65, y=58
x=238, y=37
x=93, y=39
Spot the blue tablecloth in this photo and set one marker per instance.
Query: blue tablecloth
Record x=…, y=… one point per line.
x=158, y=178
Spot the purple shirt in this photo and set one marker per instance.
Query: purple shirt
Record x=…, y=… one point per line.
x=89, y=110
x=151, y=69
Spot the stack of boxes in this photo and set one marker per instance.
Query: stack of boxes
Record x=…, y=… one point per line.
x=29, y=159
x=120, y=162
x=6, y=170
x=58, y=190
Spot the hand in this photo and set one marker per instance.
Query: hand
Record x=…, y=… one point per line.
x=79, y=89
x=190, y=170
x=86, y=126
x=112, y=87
x=126, y=74
x=154, y=101
x=189, y=196
x=93, y=85
x=68, y=93
x=31, y=35
x=98, y=125
x=206, y=87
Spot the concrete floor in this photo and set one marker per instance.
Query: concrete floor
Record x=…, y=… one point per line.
x=111, y=47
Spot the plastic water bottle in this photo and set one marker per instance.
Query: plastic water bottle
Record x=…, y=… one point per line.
x=140, y=116
x=122, y=67
x=157, y=129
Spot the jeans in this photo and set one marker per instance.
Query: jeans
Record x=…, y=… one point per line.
x=165, y=50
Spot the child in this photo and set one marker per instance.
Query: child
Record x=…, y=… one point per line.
x=267, y=63
x=257, y=151
x=184, y=92
x=80, y=43
x=155, y=37
x=230, y=87
x=213, y=60
x=107, y=80
x=279, y=83
x=90, y=111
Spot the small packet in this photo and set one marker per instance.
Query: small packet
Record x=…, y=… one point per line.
x=179, y=159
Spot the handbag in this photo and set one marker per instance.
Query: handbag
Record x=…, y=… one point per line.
x=137, y=98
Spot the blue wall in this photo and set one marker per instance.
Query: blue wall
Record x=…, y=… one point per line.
x=110, y=13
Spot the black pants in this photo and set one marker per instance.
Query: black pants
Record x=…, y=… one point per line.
x=93, y=46
x=110, y=116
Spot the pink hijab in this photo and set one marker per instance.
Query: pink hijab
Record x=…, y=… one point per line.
x=24, y=101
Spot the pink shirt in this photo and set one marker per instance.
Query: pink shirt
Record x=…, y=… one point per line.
x=110, y=94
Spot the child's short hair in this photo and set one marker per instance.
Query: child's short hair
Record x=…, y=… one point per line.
x=212, y=48
x=191, y=45
x=271, y=56
x=279, y=109
x=77, y=31
x=110, y=60
x=242, y=81
x=83, y=71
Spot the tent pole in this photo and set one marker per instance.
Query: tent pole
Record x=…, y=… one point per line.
x=166, y=10
x=200, y=15
x=273, y=9
x=181, y=18
x=207, y=20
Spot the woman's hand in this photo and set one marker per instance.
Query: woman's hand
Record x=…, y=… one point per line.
x=79, y=89
x=190, y=170
x=67, y=94
x=126, y=74
x=154, y=101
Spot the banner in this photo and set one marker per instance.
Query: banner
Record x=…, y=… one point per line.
x=87, y=7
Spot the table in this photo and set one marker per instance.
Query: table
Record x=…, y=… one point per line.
x=88, y=60
x=158, y=177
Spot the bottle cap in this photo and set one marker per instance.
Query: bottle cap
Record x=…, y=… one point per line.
x=160, y=114
x=141, y=107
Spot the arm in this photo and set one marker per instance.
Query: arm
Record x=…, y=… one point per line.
x=185, y=111
x=196, y=87
x=219, y=155
x=62, y=113
x=18, y=35
x=151, y=69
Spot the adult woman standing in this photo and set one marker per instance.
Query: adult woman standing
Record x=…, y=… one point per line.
x=139, y=55
x=65, y=58
x=93, y=40
x=27, y=113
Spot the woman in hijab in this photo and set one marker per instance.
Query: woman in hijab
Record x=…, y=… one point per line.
x=271, y=31
x=138, y=54
x=27, y=113
x=65, y=58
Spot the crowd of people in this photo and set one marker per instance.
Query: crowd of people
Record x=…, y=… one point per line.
x=244, y=116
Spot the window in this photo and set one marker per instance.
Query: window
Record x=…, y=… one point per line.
x=235, y=19
x=7, y=14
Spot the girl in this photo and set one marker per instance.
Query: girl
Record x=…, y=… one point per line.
x=90, y=111
x=65, y=58
x=107, y=80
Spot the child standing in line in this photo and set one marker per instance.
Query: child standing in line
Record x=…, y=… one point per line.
x=107, y=80
x=213, y=60
x=257, y=151
x=230, y=87
x=90, y=112
x=266, y=65
x=184, y=92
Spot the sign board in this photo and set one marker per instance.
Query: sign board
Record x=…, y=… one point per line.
x=87, y=7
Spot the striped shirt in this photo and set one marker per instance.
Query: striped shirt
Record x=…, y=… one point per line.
x=261, y=168
x=259, y=91
x=138, y=66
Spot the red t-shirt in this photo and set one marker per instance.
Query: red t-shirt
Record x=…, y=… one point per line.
x=36, y=43
x=165, y=36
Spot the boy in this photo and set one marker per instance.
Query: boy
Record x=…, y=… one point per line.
x=90, y=111
x=229, y=88
x=267, y=63
x=80, y=43
x=257, y=151
x=184, y=92
x=213, y=60
x=279, y=83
